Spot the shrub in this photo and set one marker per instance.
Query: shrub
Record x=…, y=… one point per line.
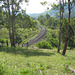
x=44, y=44
x=53, y=42
x=3, y=40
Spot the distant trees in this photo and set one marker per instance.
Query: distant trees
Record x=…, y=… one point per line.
x=25, y=21
x=47, y=16
x=41, y=19
x=46, y=20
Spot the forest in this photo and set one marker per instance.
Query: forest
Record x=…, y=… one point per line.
x=37, y=44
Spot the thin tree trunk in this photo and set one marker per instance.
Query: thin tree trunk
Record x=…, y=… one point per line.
x=59, y=31
x=9, y=19
x=13, y=42
x=67, y=35
x=62, y=8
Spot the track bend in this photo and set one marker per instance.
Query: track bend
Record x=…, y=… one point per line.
x=40, y=35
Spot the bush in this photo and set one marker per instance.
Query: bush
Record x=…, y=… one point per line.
x=44, y=44
x=3, y=40
x=53, y=42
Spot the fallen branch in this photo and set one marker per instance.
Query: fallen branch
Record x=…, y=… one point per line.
x=73, y=71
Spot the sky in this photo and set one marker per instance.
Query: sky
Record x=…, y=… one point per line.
x=34, y=6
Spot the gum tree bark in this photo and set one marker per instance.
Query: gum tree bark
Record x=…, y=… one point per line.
x=67, y=34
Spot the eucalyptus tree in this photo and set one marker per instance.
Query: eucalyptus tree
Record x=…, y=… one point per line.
x=12, y=7
x=0, y=16
x=71, y=4
x=60, y=8
x=59, y=44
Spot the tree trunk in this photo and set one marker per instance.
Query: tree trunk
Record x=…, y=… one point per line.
x=9, y=19
x=65, y=46
x=13, y=42
x=7, y=43
x=62, y=8
x=59, y=31
x=67, y=35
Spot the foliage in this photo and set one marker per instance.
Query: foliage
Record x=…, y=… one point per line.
x=52, y=43
x=18, y=38
x=3, y=40
x=48, y=21
x=52, y=22
x=22, y=35
x=47, y=16
x=65, y=24
x=3, y=67
x=41, y=19
x=44, y=45
x=25, y=21
x=2, y=18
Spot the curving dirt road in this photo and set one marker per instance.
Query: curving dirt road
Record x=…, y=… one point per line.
x=38, y=37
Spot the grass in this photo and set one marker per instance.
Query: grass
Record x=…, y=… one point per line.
x=20, y=61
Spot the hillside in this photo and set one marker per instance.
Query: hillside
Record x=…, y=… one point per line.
x=52, y=12
x=20, y=61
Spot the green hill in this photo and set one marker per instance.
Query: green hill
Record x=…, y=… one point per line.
x=52, y=13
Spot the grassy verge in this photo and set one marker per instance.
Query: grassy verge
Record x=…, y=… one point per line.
x=20, y=61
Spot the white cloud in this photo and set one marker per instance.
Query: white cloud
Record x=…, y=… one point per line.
x=34, y=6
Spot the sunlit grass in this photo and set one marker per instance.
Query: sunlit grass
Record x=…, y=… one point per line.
x=20, y=61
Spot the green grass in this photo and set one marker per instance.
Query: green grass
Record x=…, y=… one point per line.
x=20, y=61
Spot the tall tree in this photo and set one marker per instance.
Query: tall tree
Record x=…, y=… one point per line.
x=59, y=31
x=11, y=7
x=70, y=3
x=61, y=17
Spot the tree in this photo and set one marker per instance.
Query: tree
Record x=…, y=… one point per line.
x=59, y=44
x=47, y=16
x=42, y=19
x=11, y=7
x=68, y=27
x=59, y=7
x=52, y=22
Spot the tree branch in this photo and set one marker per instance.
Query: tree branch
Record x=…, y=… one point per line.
x=73, y=71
